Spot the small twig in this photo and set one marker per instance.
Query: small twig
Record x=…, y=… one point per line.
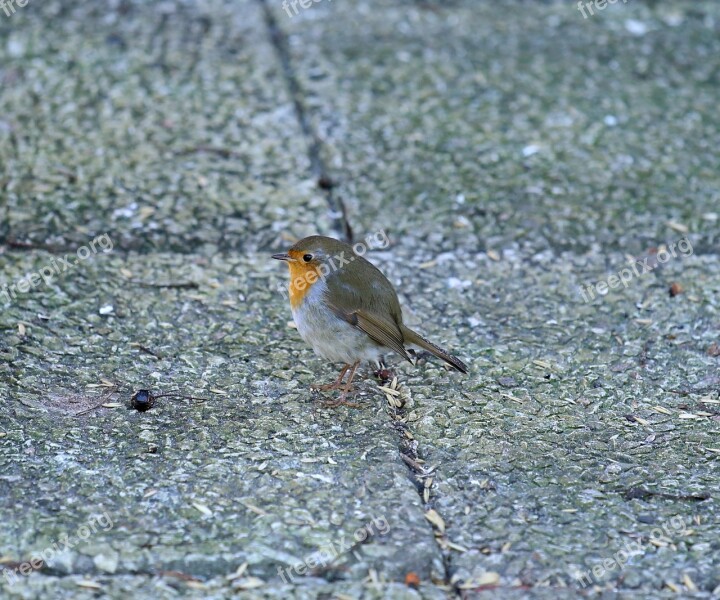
x=644, y=494
x=87, y=410
x=412, y=463
x=223, y=152
x=147, y=350
x=171, y=395
x=105, y=398
x=14, y=243
x=179, y=284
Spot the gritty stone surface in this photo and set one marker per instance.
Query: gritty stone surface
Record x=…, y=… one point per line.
x=513, y=153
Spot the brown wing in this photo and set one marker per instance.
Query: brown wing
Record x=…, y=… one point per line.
x=384, y=332
x=374, y=310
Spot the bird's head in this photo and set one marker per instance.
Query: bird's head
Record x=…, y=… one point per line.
x=312, y=259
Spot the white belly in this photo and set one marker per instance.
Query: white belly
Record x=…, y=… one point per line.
x=328, y=335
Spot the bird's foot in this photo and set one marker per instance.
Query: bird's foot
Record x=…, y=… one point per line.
x=335, y=385
x=341, y=401
x=338, y=384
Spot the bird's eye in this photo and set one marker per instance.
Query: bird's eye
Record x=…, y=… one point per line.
x=307, y=257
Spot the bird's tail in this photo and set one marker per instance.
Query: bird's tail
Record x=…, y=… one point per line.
x=411, y=337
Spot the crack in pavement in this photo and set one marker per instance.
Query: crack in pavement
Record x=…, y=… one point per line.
x=421, y=476
x=278, y=39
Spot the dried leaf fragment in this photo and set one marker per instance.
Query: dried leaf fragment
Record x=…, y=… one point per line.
x=436, y=520
x=249, y=583
x=486, y=579
x=90, y=585
x=203, y=509
x=678, y=226
x=238, y=573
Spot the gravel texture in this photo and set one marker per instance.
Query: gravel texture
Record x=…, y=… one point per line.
x=153, y=156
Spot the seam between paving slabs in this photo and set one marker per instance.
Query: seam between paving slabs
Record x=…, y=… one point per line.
x=420, y=475
x=279, y=41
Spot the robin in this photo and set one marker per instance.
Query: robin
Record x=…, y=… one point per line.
x=347, y=310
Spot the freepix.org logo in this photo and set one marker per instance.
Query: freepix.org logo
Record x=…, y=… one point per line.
x=57, y=265
x=637, y=268
x=66, y=542
x=8, y=6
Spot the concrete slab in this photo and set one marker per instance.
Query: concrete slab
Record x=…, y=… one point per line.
x=513, y=153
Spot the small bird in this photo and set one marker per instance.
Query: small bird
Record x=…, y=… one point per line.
x=347, y=310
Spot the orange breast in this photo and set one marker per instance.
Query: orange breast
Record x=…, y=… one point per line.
x=302, y=278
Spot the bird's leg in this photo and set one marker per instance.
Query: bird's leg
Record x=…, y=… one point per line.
x=335, y=384
x=341, y=401
x=348, y=385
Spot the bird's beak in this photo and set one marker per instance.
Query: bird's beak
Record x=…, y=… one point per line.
x=282, y=257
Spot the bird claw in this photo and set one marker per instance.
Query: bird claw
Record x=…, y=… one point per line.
x=326, y=387
x=338, y=384
x=341, y=401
